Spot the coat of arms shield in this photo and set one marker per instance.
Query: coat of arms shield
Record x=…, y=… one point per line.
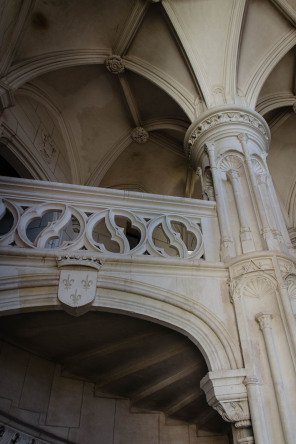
x=77, y=290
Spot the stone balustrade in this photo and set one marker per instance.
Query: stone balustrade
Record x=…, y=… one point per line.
x=37, y=215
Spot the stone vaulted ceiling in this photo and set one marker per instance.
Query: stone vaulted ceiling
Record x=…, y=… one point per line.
x=178, y=58
x=101, y=93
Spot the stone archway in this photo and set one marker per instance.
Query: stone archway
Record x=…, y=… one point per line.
x=119, y=356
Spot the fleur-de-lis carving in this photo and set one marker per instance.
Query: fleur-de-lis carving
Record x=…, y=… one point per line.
x=86, y=283
x=68, y=282
x=75, y=297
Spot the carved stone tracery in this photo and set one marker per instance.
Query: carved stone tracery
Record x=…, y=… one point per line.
x=180, y=234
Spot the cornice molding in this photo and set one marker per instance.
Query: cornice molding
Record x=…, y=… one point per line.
x=35, y=191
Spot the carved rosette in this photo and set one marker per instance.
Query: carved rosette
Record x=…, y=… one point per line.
x=114, y=64
x=139, y=135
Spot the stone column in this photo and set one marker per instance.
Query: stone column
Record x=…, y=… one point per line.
x=260, y=421
x=245, y=232
x=265, y=228
x=241, y=134
x=273, y=234
x=227, y=249
x=265, y=323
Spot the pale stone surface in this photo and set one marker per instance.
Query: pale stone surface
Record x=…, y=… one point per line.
x=65, y=401
x=97, y=418
x=38, y=380
x=196, y=80
x=137, y=427
x=12, y=372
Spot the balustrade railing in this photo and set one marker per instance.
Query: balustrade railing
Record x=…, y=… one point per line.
x=38, y=215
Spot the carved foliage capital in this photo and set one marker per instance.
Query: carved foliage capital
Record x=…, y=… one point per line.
x=264, y=320
x=234, y=411
x=233, y=175
x=227, y=394
x=243, y=138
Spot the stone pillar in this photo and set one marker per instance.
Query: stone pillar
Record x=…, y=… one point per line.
x=273, y=233
x=245, y=232
x=265, y=323
x=227, y=248
x=260, y=421
x=233, y=141
x=263, y=222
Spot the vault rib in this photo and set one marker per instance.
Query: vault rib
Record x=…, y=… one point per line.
x=108, y=349
x=163, y=383
x=183, y=402
x=130, y=27
x=138, y=365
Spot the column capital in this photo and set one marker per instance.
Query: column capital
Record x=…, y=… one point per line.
x=233, y=175
x=227, y=394
x=224, y=122
x=243, y=137
x=209, y=147
x=264, y=320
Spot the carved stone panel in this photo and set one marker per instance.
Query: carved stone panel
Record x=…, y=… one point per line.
x=77, y=290
x=46, y=146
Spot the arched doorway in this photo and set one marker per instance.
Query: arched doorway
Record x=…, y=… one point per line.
x=147, y=368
